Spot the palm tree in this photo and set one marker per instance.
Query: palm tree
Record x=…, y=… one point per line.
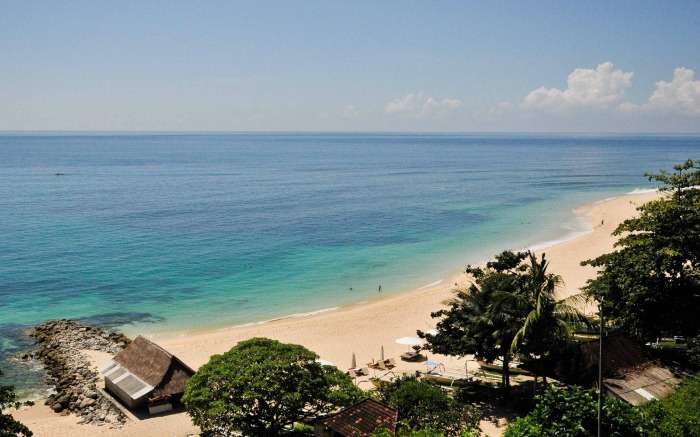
x=472, y=324
x=549, y=322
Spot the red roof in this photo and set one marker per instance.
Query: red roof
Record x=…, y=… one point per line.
x=362, y=419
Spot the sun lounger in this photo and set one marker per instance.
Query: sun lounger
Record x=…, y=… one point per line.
x=390, y=363
x=411, y=356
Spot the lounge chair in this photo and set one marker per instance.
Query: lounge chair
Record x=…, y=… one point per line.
x=390, y=363
x=411, y=356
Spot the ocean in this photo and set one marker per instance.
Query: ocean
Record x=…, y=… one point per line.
x=159, y=232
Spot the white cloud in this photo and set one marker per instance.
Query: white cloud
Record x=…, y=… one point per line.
x=680, y=96
x=420, y=105
x=586, y=88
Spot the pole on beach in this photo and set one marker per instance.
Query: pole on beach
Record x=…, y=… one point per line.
x=600, y=368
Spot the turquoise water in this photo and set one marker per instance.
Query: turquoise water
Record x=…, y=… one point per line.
x=156, y=232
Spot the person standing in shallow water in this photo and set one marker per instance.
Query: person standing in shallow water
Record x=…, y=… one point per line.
x=380, y=288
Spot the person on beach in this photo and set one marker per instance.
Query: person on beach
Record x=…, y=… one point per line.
x=380, y=288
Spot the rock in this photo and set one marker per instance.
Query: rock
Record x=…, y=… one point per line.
x=86, y=402
x=59, y=346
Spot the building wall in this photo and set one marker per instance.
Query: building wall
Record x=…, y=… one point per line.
x=125, y=398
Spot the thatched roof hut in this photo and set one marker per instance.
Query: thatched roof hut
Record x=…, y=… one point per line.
x=146, y=374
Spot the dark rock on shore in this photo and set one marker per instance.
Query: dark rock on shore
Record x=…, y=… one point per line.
x=59, y=345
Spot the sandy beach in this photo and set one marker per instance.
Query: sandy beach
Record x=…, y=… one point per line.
x=361, y=328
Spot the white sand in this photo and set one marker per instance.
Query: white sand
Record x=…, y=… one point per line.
x=361, y=328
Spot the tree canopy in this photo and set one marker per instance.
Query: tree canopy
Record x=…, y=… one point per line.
x=510, y=306
x=650, y=284
x=262, y=387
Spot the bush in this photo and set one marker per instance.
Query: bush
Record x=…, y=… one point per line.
x=677, y=415
x=426, y=408
x=9, y=427
x=405, y=431
x=262, y=387
x=572, y=411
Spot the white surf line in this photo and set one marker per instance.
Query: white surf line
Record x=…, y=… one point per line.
x=432, y=284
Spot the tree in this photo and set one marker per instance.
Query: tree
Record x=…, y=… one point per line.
x=651, y=282
x=471, y=325
x=9, y=427
x=547, y=327
x=572, y=412
x=426, y=407
x=262, y=387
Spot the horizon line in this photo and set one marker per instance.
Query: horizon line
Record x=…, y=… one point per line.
x=342, y=132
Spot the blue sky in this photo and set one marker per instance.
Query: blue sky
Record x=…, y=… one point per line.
x=350, y=66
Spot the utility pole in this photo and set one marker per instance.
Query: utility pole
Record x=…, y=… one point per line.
x=600, y=368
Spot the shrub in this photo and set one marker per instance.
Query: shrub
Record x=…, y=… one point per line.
x=677, y=415
x=426, y=408
x=572, y=411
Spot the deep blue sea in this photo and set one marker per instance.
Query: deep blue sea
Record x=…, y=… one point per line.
x=156, y=232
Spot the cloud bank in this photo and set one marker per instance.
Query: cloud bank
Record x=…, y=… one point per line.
x=421, y=106
x=586, y=88
x=679, y=96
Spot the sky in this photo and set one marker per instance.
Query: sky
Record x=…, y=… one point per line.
x=446, y=66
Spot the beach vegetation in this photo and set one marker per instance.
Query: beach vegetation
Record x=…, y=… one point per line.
x=572, y=411
x=471, y=325
x=263, y=387
x=9, y=426
x=677, y=415
x=650, y=283
x=406, y=431
x=426, y=408
x=547, y=327
x=510, y=307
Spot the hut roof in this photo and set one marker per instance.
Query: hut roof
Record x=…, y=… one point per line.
x=362, y=419
x=619, y=354
x=643, y=384
x=148, y=367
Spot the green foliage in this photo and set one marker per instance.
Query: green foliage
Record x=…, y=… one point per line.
x=426, y=408
x=405, y=431
x=9, y=427
x=677, y=415
x=651, y=282
x=572, y=412
x=509, y=307
x=262, y=387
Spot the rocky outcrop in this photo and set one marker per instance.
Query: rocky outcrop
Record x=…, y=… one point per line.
x=59, y=345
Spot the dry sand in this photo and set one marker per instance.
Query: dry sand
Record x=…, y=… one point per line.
x=361, y=328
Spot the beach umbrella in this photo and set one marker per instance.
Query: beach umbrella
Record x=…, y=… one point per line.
x=381, y=354
x=410, y=341
x=354, y=361
x=323, y=362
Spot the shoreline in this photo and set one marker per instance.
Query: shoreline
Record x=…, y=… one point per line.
x=360, y=328
x=581, y=213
